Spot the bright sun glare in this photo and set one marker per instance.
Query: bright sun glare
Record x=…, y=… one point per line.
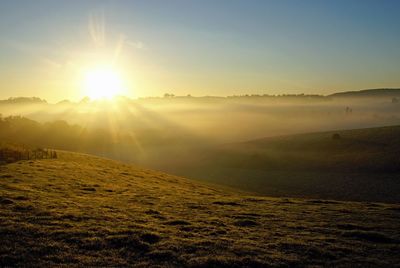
x=102, y=83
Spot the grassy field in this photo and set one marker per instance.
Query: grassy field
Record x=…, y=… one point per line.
x=80, y=210
x=359, y=165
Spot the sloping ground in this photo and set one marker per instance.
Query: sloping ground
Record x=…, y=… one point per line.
x=357, y=150
x=376, y=92
x=80, y=210
x=358, y=165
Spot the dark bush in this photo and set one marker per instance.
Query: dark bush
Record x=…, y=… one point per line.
x=336, y=136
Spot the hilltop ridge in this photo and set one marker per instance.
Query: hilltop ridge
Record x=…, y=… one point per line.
x=374, y=92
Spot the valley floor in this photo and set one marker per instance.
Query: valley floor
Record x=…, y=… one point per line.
x=80, y=210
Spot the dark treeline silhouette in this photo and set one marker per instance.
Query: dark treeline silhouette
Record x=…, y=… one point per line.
x=393, y=93
x=132, y=143
x=58, y=134
x=63, y=136
x=243, y=97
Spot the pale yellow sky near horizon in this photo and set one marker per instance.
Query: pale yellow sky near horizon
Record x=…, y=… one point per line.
x=47, y=49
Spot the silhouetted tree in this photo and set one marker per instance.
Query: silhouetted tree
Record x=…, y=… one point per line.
x=336, y=136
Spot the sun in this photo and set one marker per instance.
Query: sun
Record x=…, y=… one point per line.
x=103, y=83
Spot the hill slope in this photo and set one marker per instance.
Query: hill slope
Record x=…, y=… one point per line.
x=359, y=165
x=80, y=210
x=376, y=92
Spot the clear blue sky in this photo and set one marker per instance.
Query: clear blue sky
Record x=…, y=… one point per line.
x=204, y=47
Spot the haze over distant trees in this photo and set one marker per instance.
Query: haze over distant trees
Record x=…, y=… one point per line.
x=23, y=100
x=387, y=93
x=191, y=136
x=151, y=130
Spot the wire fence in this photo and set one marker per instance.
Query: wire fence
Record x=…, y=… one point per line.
x=13, y=154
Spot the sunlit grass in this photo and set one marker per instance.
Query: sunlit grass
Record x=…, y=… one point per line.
x=81, y=210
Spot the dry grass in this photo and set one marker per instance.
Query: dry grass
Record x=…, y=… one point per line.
x=81, y=210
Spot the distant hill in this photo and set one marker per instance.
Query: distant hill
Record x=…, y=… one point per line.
x=79, y=210
x=360, y=164
x=378, y=92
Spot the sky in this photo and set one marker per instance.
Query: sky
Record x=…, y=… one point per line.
x=208, y=47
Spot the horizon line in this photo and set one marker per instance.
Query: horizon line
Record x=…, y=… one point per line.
x=171, y=96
